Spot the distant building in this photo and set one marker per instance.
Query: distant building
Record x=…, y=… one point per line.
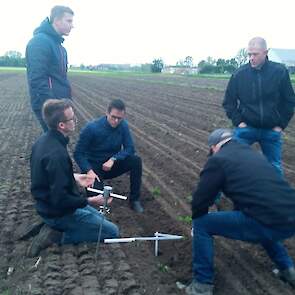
x=284, y=56
x=180, y=70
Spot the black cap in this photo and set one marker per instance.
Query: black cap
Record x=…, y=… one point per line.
x=219, y=135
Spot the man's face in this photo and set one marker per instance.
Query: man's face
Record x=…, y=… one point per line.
x=64, y=24
x=115, y=117
x=257, y=56
x=68, y=125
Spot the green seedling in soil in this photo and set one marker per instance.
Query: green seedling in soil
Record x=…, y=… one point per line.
x=156, y=192
x=189, y=198
x=163, y=267
x=187, y=219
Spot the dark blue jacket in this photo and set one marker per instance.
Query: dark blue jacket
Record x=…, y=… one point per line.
x=261, y=98
x=46, y=66
x=99, y=141
x=52, y=182
x=251, y=182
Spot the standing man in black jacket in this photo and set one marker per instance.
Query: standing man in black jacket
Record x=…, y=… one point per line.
x=53, y=185
x=266, y=205
x=260, y=101
x=47, y=60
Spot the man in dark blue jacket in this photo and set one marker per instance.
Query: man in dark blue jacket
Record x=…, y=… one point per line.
x=260, y=101
x=265, y=200
x=69, y=217
x=47, y=60
x=105, y=150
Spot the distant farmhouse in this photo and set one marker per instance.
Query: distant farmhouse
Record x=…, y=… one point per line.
x=178, y=70
x=284, y=56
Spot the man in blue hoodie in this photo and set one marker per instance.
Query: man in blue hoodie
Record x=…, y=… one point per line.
x=105, y=150
x=47, y=60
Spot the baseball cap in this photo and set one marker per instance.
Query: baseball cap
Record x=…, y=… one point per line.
x=218, y=135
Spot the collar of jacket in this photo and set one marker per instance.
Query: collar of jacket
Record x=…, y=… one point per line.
x=263, y=68
x=47, y=28
x=59, y=136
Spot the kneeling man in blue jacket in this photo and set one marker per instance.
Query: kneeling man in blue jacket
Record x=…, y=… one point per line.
x=105, y=150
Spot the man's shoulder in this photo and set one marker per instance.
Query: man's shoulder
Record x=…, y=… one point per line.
x=241, y=70
x=276, y=66
x=40, y=40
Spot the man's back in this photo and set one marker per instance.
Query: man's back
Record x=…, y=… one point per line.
x=254, y=185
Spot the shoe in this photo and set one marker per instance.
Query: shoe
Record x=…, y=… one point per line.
x=287, y=275
x=136, y=206
x=28, y=229
x=196, y=288
x=46, y=237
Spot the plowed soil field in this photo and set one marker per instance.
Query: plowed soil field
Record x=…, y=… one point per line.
x=170, y=118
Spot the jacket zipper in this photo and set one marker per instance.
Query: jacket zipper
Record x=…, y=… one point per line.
x=49, y=82
x=260, y=98
x=62, y=60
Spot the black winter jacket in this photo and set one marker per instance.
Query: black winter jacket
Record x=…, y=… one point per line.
x=46, y=66
x=261, y=98
x=52, y=182
x=251, y=182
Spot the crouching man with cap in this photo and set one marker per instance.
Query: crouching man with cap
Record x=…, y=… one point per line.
x=266, y=205
x=68, y=216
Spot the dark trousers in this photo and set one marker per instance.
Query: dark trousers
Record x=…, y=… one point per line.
x=131, y=164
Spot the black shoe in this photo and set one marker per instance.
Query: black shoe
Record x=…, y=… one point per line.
x=287, y=275
x=136, y=206
x=28, y=229
x=46, y=237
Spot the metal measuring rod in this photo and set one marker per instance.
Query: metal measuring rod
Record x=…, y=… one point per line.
x=116, y=196
x=157, y=237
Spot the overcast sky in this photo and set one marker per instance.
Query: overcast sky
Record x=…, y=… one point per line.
x=137, y=31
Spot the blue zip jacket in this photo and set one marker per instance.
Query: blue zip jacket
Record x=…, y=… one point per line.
x=46, y=66
x=99, y=141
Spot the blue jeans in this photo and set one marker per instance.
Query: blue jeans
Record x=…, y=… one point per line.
x=269, y=140
x=83, y=226
x=237, y=226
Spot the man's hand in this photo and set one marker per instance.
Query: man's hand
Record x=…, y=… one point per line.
x=242, y=125
x=107, y=166
x=98, y=200
x=84, y=180
x=277, y=129
x=93, y=175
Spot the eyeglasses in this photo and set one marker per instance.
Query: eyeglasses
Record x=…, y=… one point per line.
x=74, y=119
x=116, y=118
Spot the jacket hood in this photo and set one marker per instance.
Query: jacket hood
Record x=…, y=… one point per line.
x=46, y=28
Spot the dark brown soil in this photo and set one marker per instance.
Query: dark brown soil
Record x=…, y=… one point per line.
x=170, y=118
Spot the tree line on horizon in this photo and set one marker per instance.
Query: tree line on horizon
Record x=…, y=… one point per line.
x=209, y=66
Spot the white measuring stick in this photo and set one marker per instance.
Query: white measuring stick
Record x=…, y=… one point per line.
x=168, y=235
x=127, y=240
x=101, y=192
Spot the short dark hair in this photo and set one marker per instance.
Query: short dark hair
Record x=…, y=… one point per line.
x=58, y=11
x=53, y=111
x=116, y=104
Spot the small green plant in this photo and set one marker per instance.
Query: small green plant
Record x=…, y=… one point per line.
x=156, y=192
x=187, y=219
x=189, y=198
x=163, y=267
